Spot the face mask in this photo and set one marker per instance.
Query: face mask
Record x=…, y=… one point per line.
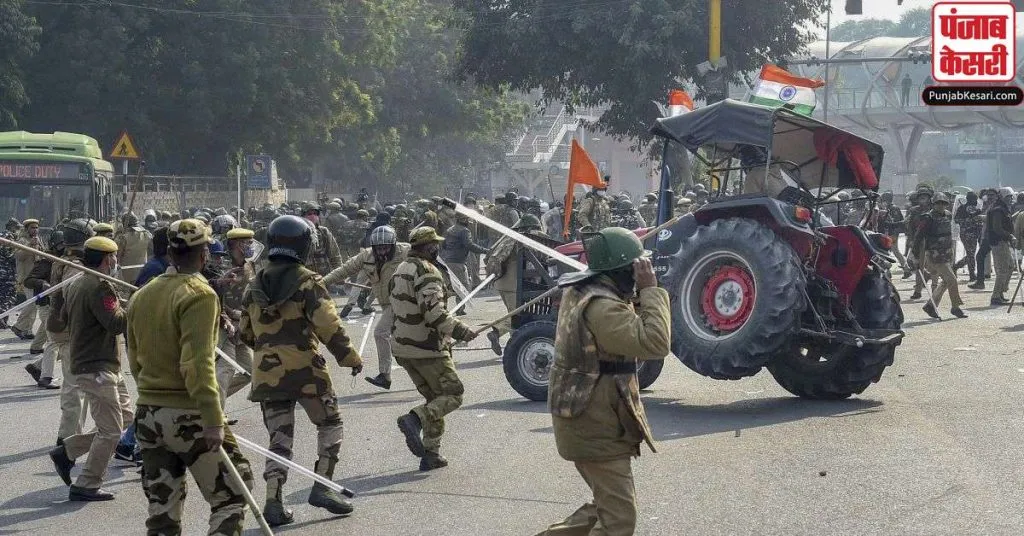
x=624, y=279
x=248, y=251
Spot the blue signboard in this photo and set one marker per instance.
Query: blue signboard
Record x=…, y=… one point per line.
x=258, y=170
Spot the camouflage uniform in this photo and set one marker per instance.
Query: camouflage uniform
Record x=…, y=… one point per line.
x=402, y=222
x=649, y=212
x=630, y=219
x=933, y=246
x=970, y=218
x=172, y=332
x=593, y=395
x=421, y=344
x=594, y=214
x=229, y=380
x=326, y=256
x=287, y=313
x=503, y=214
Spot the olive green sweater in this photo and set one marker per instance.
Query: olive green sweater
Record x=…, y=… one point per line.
x=172, y=332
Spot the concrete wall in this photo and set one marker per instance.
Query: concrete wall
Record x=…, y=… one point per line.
x=173, y=202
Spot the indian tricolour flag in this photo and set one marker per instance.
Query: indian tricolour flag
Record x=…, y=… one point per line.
x=777, y=87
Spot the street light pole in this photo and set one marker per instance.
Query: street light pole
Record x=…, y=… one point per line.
x=828, y=55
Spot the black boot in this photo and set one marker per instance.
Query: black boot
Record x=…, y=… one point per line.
x=346, y=310
x=34, y=371
x=62, y=464
x=47, y=383
x=999, y=300
x=412, y=428
x=381, y=380
x=930, y=310
x=957, y=312
x=916, y=295
x=432, y=460
x=323, y=497
x=495, y=341
x=977, y=285
x=273, y=510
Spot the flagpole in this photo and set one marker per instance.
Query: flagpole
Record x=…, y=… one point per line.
x=828, y=56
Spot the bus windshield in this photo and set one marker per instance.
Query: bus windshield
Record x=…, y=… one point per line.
x=53, y=176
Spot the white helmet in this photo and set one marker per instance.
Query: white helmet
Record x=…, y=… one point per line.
x=383, y=236
x=223, y=223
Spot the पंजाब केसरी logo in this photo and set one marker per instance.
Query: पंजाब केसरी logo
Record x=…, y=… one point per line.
x=973, y=42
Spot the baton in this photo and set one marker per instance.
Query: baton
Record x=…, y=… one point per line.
x=474, y=292
x=552, y=291
x=44, y=293
x=1015, y=292
x=298, y=468
x=928, y=289
x=105, y=277
x=249, y=499
x=362, y=344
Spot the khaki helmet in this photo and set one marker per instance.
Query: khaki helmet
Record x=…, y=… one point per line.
x=940, y=197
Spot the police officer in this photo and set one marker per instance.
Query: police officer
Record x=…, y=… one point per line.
x=326, y=255
x=970, y=218
x=649, y=208
x=94, y=316
x=133, y=243
x=921, y=205
x=933, y=246
x=595, y=211
x=503, y=210
x=377, y=265
x=421, y=344
x=171, y=333
x=353, y=233
x=628, y=217
x=286, y=314
x=999, y=230
x=38, y=280
x=593, y=395
x=503, y=263
x=103, y=229
x=889, y=221
x=230, y=288
x=73, y=405
x=24, y=262
x=458, y=245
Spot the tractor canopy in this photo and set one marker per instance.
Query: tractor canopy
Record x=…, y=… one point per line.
x=816, y=155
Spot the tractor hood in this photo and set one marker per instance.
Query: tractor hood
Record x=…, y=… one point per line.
x=826, y=156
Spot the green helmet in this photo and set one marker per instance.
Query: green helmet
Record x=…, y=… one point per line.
x=528, y=221
x=612, y=248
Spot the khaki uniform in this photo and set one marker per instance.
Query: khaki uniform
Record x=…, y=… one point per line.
x=23, y=266
x=133, y=245
x=365, y=266
x=74, y=406
x=599, y=420
x=229, y=380
x=503, y=261
x=287, y=313
x=934, y=246
x=421, y=342
x=649, y=212
x=595, y=213
x=95, y=318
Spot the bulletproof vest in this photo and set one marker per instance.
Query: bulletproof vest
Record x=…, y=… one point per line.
x=575, y=371
x=939, y=239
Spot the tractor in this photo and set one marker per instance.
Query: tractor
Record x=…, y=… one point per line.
x=760, y=276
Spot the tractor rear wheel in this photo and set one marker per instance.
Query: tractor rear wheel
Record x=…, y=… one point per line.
x=833, y=371
x=736, y=293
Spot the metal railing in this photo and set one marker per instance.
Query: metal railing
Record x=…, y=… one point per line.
x=542, y=144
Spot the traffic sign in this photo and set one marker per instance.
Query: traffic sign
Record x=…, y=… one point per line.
x=125, y=148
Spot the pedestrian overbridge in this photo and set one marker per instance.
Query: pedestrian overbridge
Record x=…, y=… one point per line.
x=872, y=97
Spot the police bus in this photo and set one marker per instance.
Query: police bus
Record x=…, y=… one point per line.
x=47, y=176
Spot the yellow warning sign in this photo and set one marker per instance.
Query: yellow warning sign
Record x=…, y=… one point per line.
x=125, y=148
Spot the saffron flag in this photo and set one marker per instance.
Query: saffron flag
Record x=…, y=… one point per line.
x=777, y=87
x=582, y=170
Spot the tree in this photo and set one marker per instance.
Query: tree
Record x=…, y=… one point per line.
x=916, y=22
x=624, y=53
x=856, y=30
x=18, y=34
x=196, y=86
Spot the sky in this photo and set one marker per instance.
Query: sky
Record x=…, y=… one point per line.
x=879, y=9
